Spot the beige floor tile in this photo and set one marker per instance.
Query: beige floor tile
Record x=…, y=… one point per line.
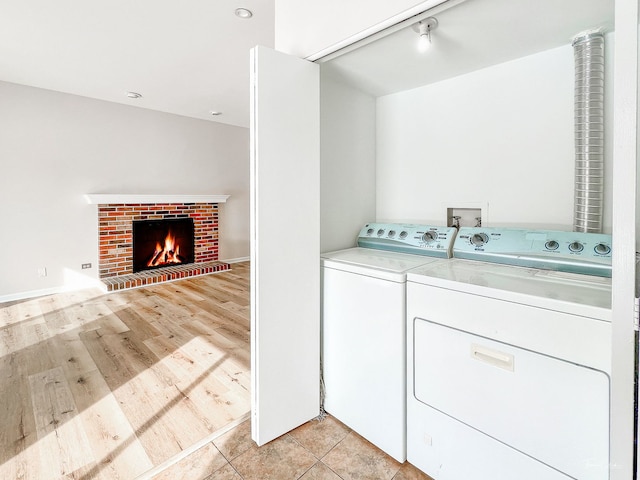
x=356, y=459
x=281, y=459
x=320, y=436
x=225, y=473
x=196, y=466
x=409, y=472
x=320, y=472
x=235, y=441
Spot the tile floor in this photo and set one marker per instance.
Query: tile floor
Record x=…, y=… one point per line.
x=317, y=450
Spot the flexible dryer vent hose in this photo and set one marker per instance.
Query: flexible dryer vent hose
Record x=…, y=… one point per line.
x=589, y=132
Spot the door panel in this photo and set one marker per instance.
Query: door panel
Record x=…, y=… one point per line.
x=285, y=243
x=552, y=410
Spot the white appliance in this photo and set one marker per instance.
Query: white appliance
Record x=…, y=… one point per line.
x=363, y=327
x=508, y=366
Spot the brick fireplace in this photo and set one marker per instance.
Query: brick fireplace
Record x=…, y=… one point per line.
x=115, y=241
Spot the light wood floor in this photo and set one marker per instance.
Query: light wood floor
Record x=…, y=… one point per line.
x=108, y=386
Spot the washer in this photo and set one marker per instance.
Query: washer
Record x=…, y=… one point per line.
x=508, y=365
x=363, y=327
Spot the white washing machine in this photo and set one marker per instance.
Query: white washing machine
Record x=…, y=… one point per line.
x=508, y=366
x=364, y=330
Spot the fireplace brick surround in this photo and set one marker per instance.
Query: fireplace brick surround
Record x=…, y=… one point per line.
x=115, y=237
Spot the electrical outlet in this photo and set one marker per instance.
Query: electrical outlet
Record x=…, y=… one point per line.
x=42, y=271
x=85, y=266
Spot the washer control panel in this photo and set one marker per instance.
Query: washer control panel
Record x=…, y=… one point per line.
x=575, y=252
x=408, y=238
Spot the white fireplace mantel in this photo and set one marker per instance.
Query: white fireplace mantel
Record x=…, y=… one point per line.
x=117, y=198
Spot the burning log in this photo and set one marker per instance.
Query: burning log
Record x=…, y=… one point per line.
x=154, y=259
x=167, y=255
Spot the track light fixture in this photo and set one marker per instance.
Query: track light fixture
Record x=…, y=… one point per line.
x=424, y=29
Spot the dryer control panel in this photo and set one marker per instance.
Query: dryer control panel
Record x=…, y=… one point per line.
x=427, y=240
x=575, y=252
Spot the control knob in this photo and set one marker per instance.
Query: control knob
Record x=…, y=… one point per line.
x=370, y=231
x=602, y=249
x=392, y=233
x=551, y=245
x=576, y=247
x=479, y=239
x=403, y=234
x=381, y=232
x=429, y=237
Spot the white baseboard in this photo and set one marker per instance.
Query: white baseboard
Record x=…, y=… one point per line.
x=30, y=294
x=12, y=297
x=236, y=260
x=46, y=291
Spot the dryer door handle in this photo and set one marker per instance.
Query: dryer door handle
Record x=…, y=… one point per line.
x=492, y=357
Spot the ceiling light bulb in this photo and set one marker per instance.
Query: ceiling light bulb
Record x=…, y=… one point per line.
x=424, y=29
x=134, y=95
x=244, y=13
x=215, y=113
x=424, y=42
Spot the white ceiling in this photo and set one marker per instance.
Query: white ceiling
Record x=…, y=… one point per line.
x=189, y=58
x=471, y=35
x=186, y=58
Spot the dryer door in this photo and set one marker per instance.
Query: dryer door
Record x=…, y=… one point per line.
x=552, y=410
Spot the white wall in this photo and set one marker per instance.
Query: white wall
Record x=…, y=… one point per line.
x=347, y=168
x=56, y=147
x=305, y=28
x=501, y=136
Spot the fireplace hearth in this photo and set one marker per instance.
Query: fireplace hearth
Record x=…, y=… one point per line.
x=162, y=243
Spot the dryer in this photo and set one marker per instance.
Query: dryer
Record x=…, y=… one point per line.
x=364, y=330
x=508, y=365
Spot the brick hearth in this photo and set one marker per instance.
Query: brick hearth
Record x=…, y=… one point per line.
x=165, y=274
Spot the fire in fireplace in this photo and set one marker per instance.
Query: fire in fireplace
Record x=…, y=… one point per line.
x=160, y=243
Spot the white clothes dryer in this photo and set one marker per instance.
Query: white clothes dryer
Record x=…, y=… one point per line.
x=363, y=327
x=508, y=366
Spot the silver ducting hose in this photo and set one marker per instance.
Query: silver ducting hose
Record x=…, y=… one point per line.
x=589, y=132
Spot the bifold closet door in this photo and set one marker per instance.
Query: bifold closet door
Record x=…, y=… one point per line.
x=285, y=242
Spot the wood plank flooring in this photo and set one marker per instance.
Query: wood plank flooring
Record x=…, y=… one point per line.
x=107, y=386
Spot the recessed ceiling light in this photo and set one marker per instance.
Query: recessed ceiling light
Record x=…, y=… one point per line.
x=214, y=113
x=244, y=13
x=134, y=95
